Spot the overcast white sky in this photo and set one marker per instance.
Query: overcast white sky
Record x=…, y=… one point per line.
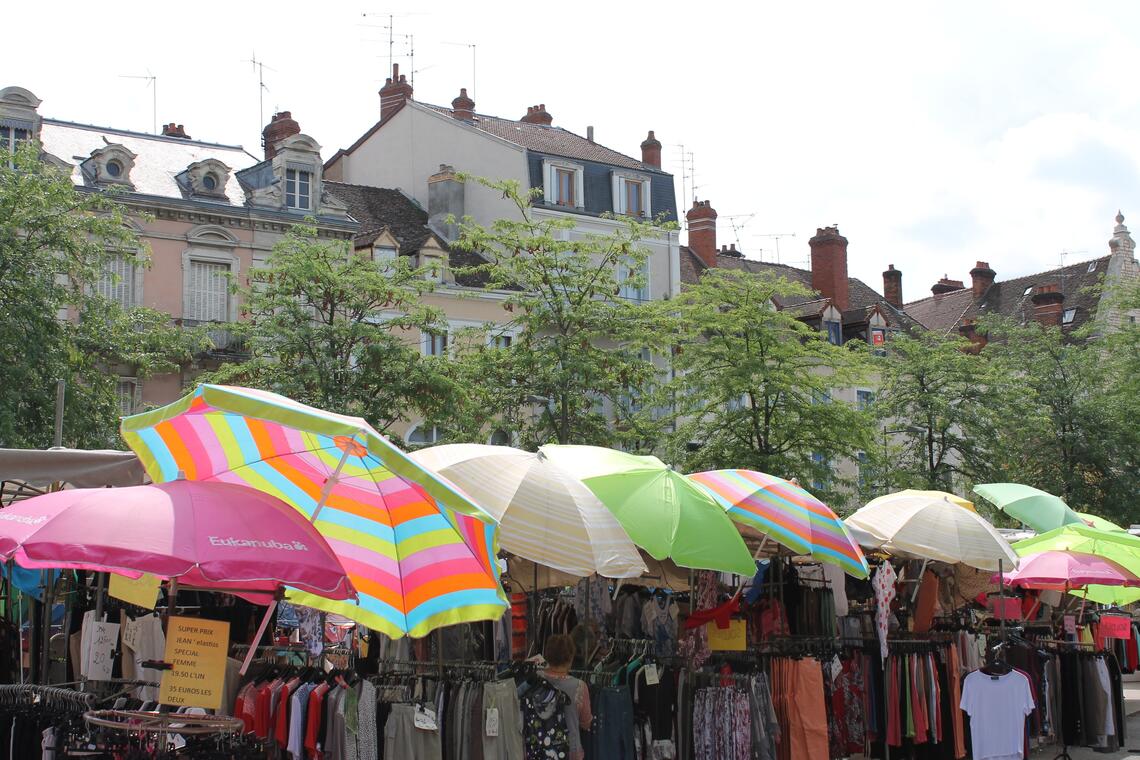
x=933, y=134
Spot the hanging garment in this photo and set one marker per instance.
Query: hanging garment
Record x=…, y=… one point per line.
x=765, y=727
x=997, y=706
x=544, y=727
x=884, y=585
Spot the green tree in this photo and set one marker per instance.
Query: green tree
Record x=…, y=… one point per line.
x=329, y=327
x=938, y=410
x=754, y=384
x=54, y=242
x=578, y=363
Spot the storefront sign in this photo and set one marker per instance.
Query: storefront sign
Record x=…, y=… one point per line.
x=141, y=592
x=1115, y=627
x=731, y=639
x=197, y=651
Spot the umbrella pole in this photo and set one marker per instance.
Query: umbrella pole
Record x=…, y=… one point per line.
x=100, y=586
x=918, y=581
x=1001, y=600
x=257, y=637
x=49, y=606
x=330, y=483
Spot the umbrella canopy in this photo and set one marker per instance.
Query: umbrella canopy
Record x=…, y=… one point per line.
x=1116, y=595
x=662, y=511
x=1064, y=571
x=1039, y=510
x=1117, y=546
x=206, y=535
x=786, y=513
x=1099, y=522
x=545, y=514
x=419, y=552
x=933, y=528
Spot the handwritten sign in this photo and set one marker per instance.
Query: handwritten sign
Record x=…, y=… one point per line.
x=1071, y=624
x=197, y=651
x=101, y=650
x=1115, y=627
x=731, y=639
x=1011, y=609
x=141, y=592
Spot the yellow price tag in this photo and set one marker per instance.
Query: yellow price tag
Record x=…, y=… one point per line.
x=731, y=639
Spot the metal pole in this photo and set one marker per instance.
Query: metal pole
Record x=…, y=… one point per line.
x=1001, y=600
x=60, y=390
x=331, y=482
x=257, y=637
x=49, y=604
x=100, y=592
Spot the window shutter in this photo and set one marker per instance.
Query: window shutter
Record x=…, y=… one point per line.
x=208, y=292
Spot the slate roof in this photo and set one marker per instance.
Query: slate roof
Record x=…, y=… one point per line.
x=159, y=160
x=862, y=298
x=1013, y=298
x=380, y=208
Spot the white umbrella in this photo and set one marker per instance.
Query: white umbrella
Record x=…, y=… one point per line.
x=930, y=526
x=545, y=514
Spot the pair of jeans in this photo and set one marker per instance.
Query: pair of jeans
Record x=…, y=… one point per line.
x=612, y=736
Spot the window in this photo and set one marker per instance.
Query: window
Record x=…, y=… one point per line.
x=424, y=436
x=864, y=470
x=634, y=202
x=298, y=186
x=11, y=137
x=565, y=187
x=501, y=341
x=500, y=438
x=208, y=292
x=127, y=393
x=1092, y=266
x=1027, y=291
x=114, y=168
x=1068, y=316
x=820, y=397
x=210, y=182
x=820, y=461
x=385, y=256
x=864, y=399
x=117, y=282
x=736, y=403
x=634, y=286
x=435, y=343
x=834, y=332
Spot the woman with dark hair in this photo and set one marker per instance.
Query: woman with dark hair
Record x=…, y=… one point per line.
x=559, y=655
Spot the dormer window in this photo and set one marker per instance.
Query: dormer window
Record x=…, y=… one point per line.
x=631, y=194
x=19, y=121
x=563, y=186
x=11, y=138
x=206, y=178
x=834, y=332
x=110, y=165
x=298, y=189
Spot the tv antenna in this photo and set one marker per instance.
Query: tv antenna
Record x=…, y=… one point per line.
x=738, y=226
x=260, y=67
x=151, y=82
x=776, y=236
x=391, y=27
x=472, y=46
x=686, y=161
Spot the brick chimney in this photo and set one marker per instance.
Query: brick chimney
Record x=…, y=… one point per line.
x=394, y=94
x=982, y=277
x=702, y=231
x=174, y=130
x=463, y=107
x=969, y=330
x=892, y=286
x=537, y=115
x=281, y=126
x=946, y=285
x=829, y=265
x=1048, y=301
x=651, y=151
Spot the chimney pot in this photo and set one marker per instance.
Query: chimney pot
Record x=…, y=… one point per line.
x=590, y=134
x=282, y=125
x=981, y=278
x=892, y=286
x=1048, y=304
x=394, y=94
x=702, y=231
x=829, y=266
x=463, y=107
x=946, y=285
x=174, y=130
x=538, y=115
x=651, y=151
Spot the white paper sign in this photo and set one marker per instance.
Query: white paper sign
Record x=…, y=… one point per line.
x=425, y=718
x=101, y=650
x=492, y=721
x=130, y=634
x=652, y=678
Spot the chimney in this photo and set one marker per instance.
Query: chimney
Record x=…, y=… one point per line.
x=892, y=286
x=590, y=134
x=829, y=265
x=280, y=127
x=946, y=285
x=702, y=231
x=174, y=130
x=982, y=277
x=1047, y=304
x=651, y=151
x=394, y=94
x=537, y=115
x=445, y=198
x=463, y=107
x=969, y=330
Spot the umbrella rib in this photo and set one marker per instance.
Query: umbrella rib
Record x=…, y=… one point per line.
x=395, y=544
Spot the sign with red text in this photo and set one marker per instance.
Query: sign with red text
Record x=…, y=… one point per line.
x=1115, y=627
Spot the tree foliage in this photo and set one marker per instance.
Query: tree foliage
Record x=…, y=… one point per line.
x=330, y=327
x=54, y=242
x=576, y=365
x=754, y=384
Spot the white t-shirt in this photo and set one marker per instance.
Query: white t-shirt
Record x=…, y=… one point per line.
x=997, y=708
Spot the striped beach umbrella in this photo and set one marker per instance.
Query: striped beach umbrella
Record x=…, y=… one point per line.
x=787, y=514
x=420, y=554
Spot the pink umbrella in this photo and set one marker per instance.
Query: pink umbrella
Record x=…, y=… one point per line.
x=206, y=535
x=1062, y=571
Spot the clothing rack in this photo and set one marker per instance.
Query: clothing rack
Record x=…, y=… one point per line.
x=51, y=696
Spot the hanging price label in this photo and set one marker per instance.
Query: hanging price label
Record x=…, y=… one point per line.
x=492, y=728
x=425, y=718
x=652, y=678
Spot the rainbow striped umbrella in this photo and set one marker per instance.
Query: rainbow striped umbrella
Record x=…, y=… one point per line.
x=419, y=553
x=787, y=514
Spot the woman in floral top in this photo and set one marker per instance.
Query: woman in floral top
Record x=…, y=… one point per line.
x=559, y=654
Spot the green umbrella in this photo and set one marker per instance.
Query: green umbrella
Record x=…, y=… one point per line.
x=1117, y=595
x=1122, y=548
x=664, y=512
x=1039, y=510
x=1099, y=522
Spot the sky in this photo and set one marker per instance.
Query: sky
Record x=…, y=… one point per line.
x=933, y=134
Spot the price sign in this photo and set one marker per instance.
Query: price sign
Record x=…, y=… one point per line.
x=101, y=650
x=1115, y=626
x=197, y=651
x=1071, y=624
x=731, y=639
x=141, y=592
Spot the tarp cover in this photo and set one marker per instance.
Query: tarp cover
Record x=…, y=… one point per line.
x=77, y=467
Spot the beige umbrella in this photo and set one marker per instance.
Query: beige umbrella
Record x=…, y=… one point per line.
x=930, y=526
x=545, y=514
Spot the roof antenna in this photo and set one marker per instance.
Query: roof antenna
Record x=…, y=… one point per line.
x=472, y=46
x=776, y=236
x=260, y=67
x=152, y=82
